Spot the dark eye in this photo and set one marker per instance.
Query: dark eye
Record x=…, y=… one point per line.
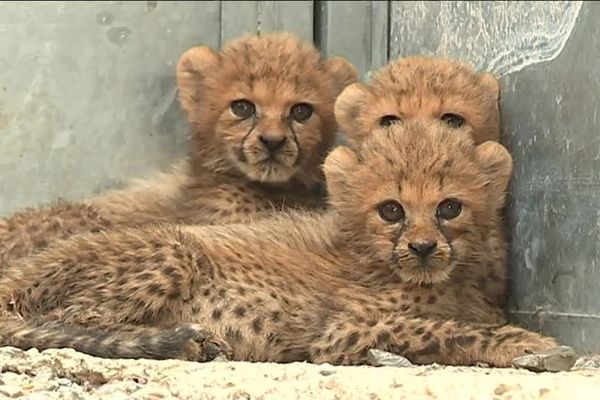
x=388, y=120
x=390, y=211
x=301, y=112
x=453, y=120
x=242, y=109
x=449, y=209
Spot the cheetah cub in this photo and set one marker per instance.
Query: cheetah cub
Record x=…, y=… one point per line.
x=430, y=88
x=262, y=121
x=426, y=88
x=389, y=266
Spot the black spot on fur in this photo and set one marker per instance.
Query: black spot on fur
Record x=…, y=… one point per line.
x=257, y=325
x=276, y=316
x=353, y=339
x=465, y=340
x=383, y=338
x=239, y=311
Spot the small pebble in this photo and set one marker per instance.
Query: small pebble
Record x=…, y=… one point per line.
x=152, y=392
x=10, y=391
x=379, y=358
x=561, y=358
x=327, y=369
x=587, y=362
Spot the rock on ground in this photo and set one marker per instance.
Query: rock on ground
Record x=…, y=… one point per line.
x=66, y=374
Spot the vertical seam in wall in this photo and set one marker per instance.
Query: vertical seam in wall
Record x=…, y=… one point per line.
x=369, y=63
x=388, y=30
x=220, y=24
x=258, y=16
x=318, y=24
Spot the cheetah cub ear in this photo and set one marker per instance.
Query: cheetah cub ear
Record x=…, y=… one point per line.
x=339, y=162
x=490, y=81
x=191, y=71
x=341, y=72
x=349, y=106
x=497, y=164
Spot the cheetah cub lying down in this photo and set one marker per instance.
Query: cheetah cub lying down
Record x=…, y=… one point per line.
x=388, y=266
x=261, y=113
x=430, y=88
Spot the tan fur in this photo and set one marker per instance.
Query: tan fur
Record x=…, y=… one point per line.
x=229, y=176
x=424, y=88
x=321, y=287
x=427, y=88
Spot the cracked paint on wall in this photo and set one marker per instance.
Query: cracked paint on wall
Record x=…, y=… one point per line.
x=501, y=37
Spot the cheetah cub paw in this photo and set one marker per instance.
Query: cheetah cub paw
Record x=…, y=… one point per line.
x=193, y=343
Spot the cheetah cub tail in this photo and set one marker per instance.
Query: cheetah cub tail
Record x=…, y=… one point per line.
x=187, y=342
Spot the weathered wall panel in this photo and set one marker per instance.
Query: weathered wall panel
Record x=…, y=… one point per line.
x=290, y=16
x=241, y=17
x=238, y=18
x=87, y=93
x=357, y=30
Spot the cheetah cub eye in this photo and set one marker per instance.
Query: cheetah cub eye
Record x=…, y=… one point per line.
x=391, y=211
x=453, y=120
x=389, y=120
x=449, y=209
x=242, y=109
x=301, y=112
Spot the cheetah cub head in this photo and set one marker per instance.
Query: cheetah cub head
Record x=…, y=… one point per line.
x=423, y=88
x=418, y=198
x=263, y=106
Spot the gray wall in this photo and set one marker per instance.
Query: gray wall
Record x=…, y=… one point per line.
x=88, y=100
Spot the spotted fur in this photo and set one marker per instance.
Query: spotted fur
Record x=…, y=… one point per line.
x=230, y=175
x=318, y=287
x=433, y=89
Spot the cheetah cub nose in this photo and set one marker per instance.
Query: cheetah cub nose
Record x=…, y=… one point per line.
x=422, y=249
x=272, y=142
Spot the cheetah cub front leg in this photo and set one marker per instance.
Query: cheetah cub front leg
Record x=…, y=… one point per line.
x=425, y=341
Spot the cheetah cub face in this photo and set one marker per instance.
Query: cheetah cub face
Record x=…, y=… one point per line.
x=269, y=100
x=418, y=197
x=423, y=88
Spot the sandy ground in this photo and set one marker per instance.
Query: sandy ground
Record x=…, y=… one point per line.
x=66, y=374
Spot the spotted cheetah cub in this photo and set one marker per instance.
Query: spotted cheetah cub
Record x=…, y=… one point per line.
x=430, y=88
x=389, y=266
x=261, y=117
x=425, y=88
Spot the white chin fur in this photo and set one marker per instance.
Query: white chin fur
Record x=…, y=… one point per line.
x=269, y=173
